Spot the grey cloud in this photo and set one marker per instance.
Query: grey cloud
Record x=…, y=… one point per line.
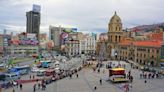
x=92, y=15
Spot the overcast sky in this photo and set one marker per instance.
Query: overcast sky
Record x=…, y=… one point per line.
x=85, y=15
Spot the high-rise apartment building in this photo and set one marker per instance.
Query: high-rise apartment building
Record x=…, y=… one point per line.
x=33, y=21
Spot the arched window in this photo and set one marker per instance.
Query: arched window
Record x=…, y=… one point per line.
x=116, y=38
x=140, y=61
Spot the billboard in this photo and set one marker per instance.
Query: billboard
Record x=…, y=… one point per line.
x=36, y=8
x=31, y=36
x=64, y=37
x=69, y=30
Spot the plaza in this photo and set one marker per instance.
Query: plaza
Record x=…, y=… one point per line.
x=88, y=79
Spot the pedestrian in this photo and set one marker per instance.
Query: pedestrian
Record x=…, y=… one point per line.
x=34, y=88
x=70, y=75
x=140, y=75
x=33, y=77
x=100, y=81
x=95, y=87
x=12, y=91
x=77, y=75
x=98, y=70
x=38, y=85
x=21, y=86
x=149, y=75
x=30, y=76
x=17, y=84
x=0, y=88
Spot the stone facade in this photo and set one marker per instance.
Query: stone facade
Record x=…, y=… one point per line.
x=123, y=46
x=115, y=35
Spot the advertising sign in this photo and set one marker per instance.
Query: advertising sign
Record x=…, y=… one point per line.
x=64, y=37
x=36, y=8
x=31, y=36
x=69, y=30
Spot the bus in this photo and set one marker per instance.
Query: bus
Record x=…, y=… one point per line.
x=45, y=64
x=50, y=72
x=11, y=77
x=21, y=70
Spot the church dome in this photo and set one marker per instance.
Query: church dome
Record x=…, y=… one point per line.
x=115, y=19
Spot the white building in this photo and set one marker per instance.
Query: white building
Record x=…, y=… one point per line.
x=73, y=47
x=88, y=44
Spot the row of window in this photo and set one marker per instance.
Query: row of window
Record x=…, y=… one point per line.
x=117, y=28
x=124, y=48
x=141, y=61
x=117, y=38
x=141, y=49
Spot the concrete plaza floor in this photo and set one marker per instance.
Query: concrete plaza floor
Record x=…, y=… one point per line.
x=88, y=79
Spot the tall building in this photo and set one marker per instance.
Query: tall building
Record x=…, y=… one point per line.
x=55, y=33
x=33, y=21
x=115, y=35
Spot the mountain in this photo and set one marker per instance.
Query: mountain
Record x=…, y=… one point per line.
x=147, y=28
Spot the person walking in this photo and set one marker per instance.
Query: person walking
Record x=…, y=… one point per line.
x=33, y=77
x=77, y=75
x=95, y=87
x=21, y=86
x=39, y=85
x=100, y=81
x=34, y=88
x=12, y=91
x=0, y=88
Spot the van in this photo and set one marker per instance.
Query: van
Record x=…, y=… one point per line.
x=41, y=73
x=12, y=76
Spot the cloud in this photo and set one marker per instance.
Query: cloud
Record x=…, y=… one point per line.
x=86, y=15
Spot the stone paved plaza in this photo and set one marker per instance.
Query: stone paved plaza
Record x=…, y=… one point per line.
x=88, y=79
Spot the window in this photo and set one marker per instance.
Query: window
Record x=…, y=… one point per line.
x=115, y=38
x=157, y=51
x=140, y=61
x=148, y=50
x=119, y=38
